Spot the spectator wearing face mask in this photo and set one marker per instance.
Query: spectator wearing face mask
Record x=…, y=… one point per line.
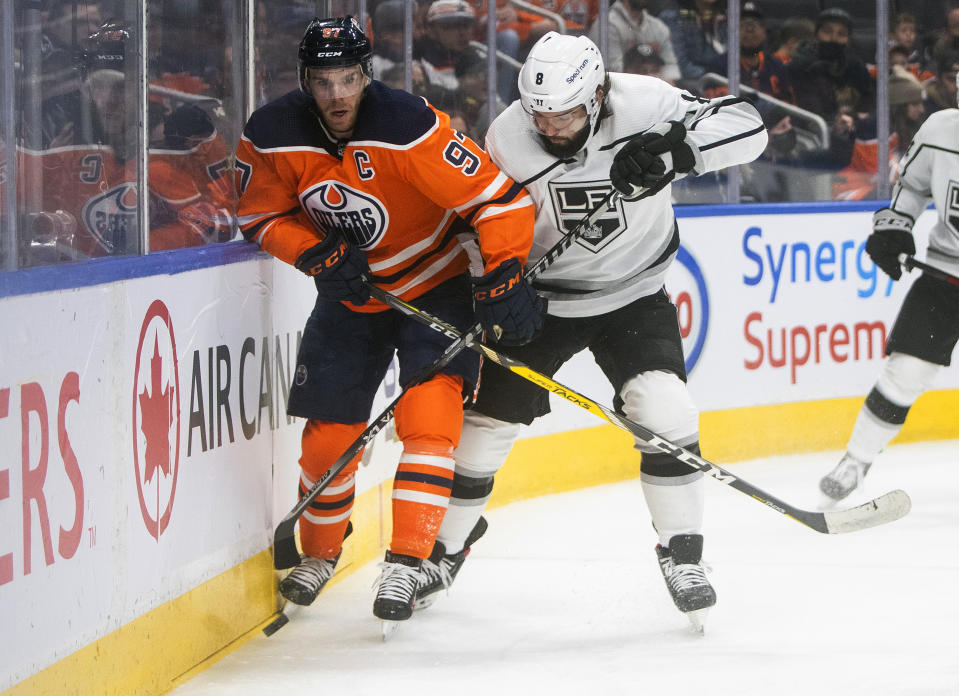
x=630, y=24
x=794, y=166
x=826, y=75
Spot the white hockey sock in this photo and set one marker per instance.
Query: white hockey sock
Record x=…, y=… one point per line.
x=675, y=504
x=461, y=517
x=484, y=444
x=869, y=436
x=902, y=380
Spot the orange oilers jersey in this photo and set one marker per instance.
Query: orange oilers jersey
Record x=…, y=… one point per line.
x=189, y=196
x=400, y=189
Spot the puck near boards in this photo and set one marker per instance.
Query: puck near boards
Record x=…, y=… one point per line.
x=275, y=625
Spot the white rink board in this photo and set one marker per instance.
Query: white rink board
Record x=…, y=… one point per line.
x=110, y=529
x=92, y=541
x=724, y=267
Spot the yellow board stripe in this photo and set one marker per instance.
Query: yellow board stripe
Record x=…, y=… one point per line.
x=158, y=651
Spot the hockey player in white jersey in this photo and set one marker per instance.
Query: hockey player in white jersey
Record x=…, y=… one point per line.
x=576, y=132
x=927, y=327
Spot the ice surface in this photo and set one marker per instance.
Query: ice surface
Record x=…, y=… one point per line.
x=563, y=596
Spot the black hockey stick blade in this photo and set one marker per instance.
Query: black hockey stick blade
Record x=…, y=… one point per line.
x=886, y=508
x=910, y=262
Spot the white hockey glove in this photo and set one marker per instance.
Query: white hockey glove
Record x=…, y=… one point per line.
x=891, y=236
x=650, y=157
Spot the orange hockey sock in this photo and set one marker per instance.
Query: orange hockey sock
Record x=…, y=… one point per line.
x=323, y=523
x=428, y=421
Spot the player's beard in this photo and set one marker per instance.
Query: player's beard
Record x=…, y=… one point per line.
x=568, y=148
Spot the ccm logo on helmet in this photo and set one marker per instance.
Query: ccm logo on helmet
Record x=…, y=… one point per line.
x=330, y=54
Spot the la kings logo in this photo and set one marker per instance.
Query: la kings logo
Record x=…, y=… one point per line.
x=952, y=206
x=573, y=201
x=335, y=207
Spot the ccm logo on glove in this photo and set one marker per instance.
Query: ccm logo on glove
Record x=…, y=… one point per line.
x=507, y=306
x=328, y=262
x=482, y=295
x=339, y=270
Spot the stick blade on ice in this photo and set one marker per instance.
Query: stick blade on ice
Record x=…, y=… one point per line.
x=886, y=508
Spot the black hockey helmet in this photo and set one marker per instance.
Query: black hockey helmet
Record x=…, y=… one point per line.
x=334, y=43
x=105, y=49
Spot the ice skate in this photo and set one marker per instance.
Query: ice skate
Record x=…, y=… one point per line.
x=396, y=587
x=305, y=581
x=686, y=578
x=845, y=478
x=441, y=568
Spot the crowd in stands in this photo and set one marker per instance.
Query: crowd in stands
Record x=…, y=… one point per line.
x=809, y=65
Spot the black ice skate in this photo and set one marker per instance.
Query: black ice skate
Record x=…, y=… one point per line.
x=685, y=576
x=845, y=478
x=305, y=581
x=441, y=568
x=396, y=587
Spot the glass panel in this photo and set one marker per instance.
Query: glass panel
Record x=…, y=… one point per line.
x=195, y=113
x=75, y=93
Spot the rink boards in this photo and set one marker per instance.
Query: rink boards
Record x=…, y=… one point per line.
x=148, y=454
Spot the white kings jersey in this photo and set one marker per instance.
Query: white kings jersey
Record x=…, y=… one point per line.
x=638, y=238
x=930, y=169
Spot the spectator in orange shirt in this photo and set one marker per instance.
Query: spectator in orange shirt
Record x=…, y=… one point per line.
x=793, y=32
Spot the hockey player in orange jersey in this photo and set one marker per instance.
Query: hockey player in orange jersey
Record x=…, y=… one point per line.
x=351, y=181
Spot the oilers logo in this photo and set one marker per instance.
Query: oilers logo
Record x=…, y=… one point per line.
x=111, y=218
x=687, y=290
x=335, y=207
x=573, y=201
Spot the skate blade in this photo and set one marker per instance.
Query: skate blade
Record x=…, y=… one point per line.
x=697, y=621
x=425, y=602
x=388, y=628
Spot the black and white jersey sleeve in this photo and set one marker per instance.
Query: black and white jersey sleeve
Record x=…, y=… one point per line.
x=929, y=170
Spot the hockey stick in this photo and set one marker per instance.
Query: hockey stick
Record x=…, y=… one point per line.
x=285, y=554
x=886, y=508
x=909, y=262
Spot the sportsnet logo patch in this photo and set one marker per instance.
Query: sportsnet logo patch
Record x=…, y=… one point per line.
x=335, y=207
x=573, y=201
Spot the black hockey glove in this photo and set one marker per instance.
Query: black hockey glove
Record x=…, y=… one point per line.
x=891, y=236
x=507, y=306
x=652, y=156
x=339, y=270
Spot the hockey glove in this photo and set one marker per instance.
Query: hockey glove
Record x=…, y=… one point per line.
x=891, y=236
x=507, y=306
x=652, y=156
x=339, y=270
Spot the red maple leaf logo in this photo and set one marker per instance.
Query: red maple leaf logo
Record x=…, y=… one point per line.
x=157, y=416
